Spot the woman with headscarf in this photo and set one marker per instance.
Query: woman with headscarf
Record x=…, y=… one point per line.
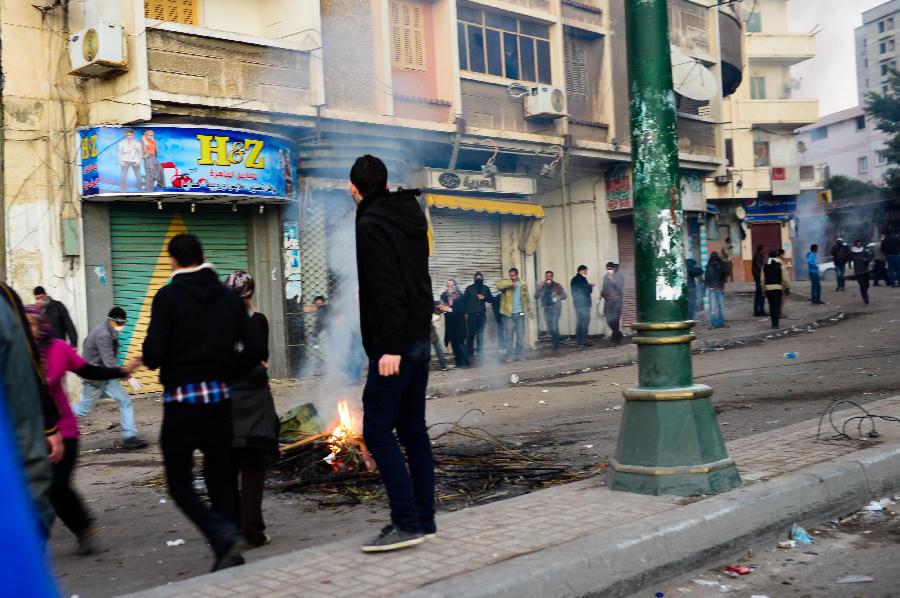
x=58, y=357
x=255, y=443
x=452, y=305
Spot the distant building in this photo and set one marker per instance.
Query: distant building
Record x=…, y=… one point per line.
x=845, y=143
x=876, y=48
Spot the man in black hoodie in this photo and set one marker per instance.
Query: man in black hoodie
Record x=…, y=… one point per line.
x=395, y=308
x=475, y=300
x=195, y=325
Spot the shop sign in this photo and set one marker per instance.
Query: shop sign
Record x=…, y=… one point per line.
x=692, y=197
x=771, y=204
x=618, y=188
x=153, y=160
x=472, y=181
x=292, y=273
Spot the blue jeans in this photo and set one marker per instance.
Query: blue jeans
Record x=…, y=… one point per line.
x=113, y=389
x=839, y=273
x=439, y=351
x=816, y=287
x=551, y=316
x=582, y=324
x=398, y=403
x=692, y=302
x=893, y=269
x=514, y=326
x=716, y=308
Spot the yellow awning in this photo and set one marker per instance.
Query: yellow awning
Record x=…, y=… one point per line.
x=478, y=204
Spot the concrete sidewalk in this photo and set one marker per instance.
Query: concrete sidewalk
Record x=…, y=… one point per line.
x=581, y=539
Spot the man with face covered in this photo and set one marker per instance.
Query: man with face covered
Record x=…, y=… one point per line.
x=613, y=292
x=101, y=348
x=476, y=299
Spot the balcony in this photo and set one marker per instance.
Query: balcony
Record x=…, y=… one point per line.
x=780, y=48
x=784, y=113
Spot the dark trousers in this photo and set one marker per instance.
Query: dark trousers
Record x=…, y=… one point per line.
x=759, y=299
x=893, y=267
x=863, y=280
x=613, y=315
x=775, y=298
x=815, y=285
x=398, y=403
x=879, y=272
x=207, y=428
x=551, y=317
x=66, y=502
x=475, y=327
x=252, y=473
x=582, y=324
x=839, y=271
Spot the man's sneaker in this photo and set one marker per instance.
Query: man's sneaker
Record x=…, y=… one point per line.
x=230, y=558
x=429, y=529
x=393, y=538
x=87, y=542
x=134, y=442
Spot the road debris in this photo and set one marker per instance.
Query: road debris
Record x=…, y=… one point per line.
x=177, y=542
x=739, y=569
x=787, y=544
x=855, y=579
x=790, y=355
x=514, y=379
x=878, y=505
x=800, y=535
x=542, y=402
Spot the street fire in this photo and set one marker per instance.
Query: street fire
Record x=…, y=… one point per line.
x=347, y=450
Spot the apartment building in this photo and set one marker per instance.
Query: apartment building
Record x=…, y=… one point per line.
x=238, y=121
x=877, y=48
x=845, y=143
x=756, y=196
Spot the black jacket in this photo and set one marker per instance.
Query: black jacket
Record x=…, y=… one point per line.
x=254, y=375
x=58, y=316
x=841, y=254
x=395, y=303
x=473, y=305
x=581, y=291
x=715, y=275
x=891, y=245
x=195, y=324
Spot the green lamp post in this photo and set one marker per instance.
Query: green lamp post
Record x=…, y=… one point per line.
x=669, y=442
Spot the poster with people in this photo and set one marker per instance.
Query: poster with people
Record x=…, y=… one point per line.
x=184, y=159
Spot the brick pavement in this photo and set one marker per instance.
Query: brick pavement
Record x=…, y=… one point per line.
x=481, y=536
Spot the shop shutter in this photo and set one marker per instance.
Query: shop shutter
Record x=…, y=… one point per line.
x=625, y=232
x=139, y=234
x=186, y=12
x=407, y=35
x=464, y=243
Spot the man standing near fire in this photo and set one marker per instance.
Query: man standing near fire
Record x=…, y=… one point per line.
x=395, y=314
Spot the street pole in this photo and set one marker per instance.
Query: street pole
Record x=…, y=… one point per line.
x=669, y=441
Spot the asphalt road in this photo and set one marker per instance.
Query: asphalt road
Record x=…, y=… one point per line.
x=573, y=421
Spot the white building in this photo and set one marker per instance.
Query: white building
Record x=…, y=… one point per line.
x=845, y=143
x=876, y=48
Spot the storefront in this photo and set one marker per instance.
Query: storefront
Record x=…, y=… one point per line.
x=141, y=186
x=767, y=221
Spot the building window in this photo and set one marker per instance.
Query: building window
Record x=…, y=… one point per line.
x=826, y=171
x=860, y=123
x=862, y=164
x=575, y=56
x=407, y=35
x=866, y=62
x=754, y=22
x=685, y=105
x=807, y=173
x=760, y=153
x=890, y=23
x=186, y=12
x=505, y=46
x=884, y=69
x=884, y=90
x=819, y=133
x=880, y=26
x=890, y=45
x=757, y=88
x=729, y=151
x=882, y=47
x=881, y=157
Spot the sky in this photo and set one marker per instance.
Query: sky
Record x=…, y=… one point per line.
x=830, y=77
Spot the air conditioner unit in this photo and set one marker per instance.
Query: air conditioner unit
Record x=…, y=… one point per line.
x=98, y=51
x=724, y=179
x=544, y=101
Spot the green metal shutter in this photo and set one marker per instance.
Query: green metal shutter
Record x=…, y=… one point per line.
x=139, y=234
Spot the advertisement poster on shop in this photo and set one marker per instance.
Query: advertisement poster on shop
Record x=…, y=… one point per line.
x=151, y=160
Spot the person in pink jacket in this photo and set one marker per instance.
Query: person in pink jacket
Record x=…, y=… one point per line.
x=59, y=357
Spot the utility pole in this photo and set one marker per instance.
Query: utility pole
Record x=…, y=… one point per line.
x=669, y=441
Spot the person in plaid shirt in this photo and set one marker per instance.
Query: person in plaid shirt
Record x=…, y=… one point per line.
x=195, y=325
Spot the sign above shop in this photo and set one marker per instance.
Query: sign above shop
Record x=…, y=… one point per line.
x=768, y=204
x=618, y=188
x=167, y=160
x=693, y=199
x=460, y=181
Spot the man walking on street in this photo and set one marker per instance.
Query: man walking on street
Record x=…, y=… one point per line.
x=860, y=258
x=773, y=277
x=514, y=304
x=891, y=247
x=101, y=347
x=879, y=270
x=581, y=299
x=550, y=296
x=57, y=315
x=613, y=293
x=475, y=300
x=840, y=253
x=759, y=299
x=195, y=325
x=814, y=280
x=395, y=306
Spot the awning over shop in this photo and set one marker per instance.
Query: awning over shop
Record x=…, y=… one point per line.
x=767, y=218
x=490, y=206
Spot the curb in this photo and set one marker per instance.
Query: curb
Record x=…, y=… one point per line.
x=629, y=558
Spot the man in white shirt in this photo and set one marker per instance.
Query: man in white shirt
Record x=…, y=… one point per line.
x=130, y=154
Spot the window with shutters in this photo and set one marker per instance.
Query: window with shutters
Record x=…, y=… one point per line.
x=575, y=56
x=407, y=35
x=186, y=12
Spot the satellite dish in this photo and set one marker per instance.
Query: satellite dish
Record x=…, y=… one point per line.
x=691, y=79
x=801, y=147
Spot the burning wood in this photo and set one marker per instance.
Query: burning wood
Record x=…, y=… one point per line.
x=348, y=451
